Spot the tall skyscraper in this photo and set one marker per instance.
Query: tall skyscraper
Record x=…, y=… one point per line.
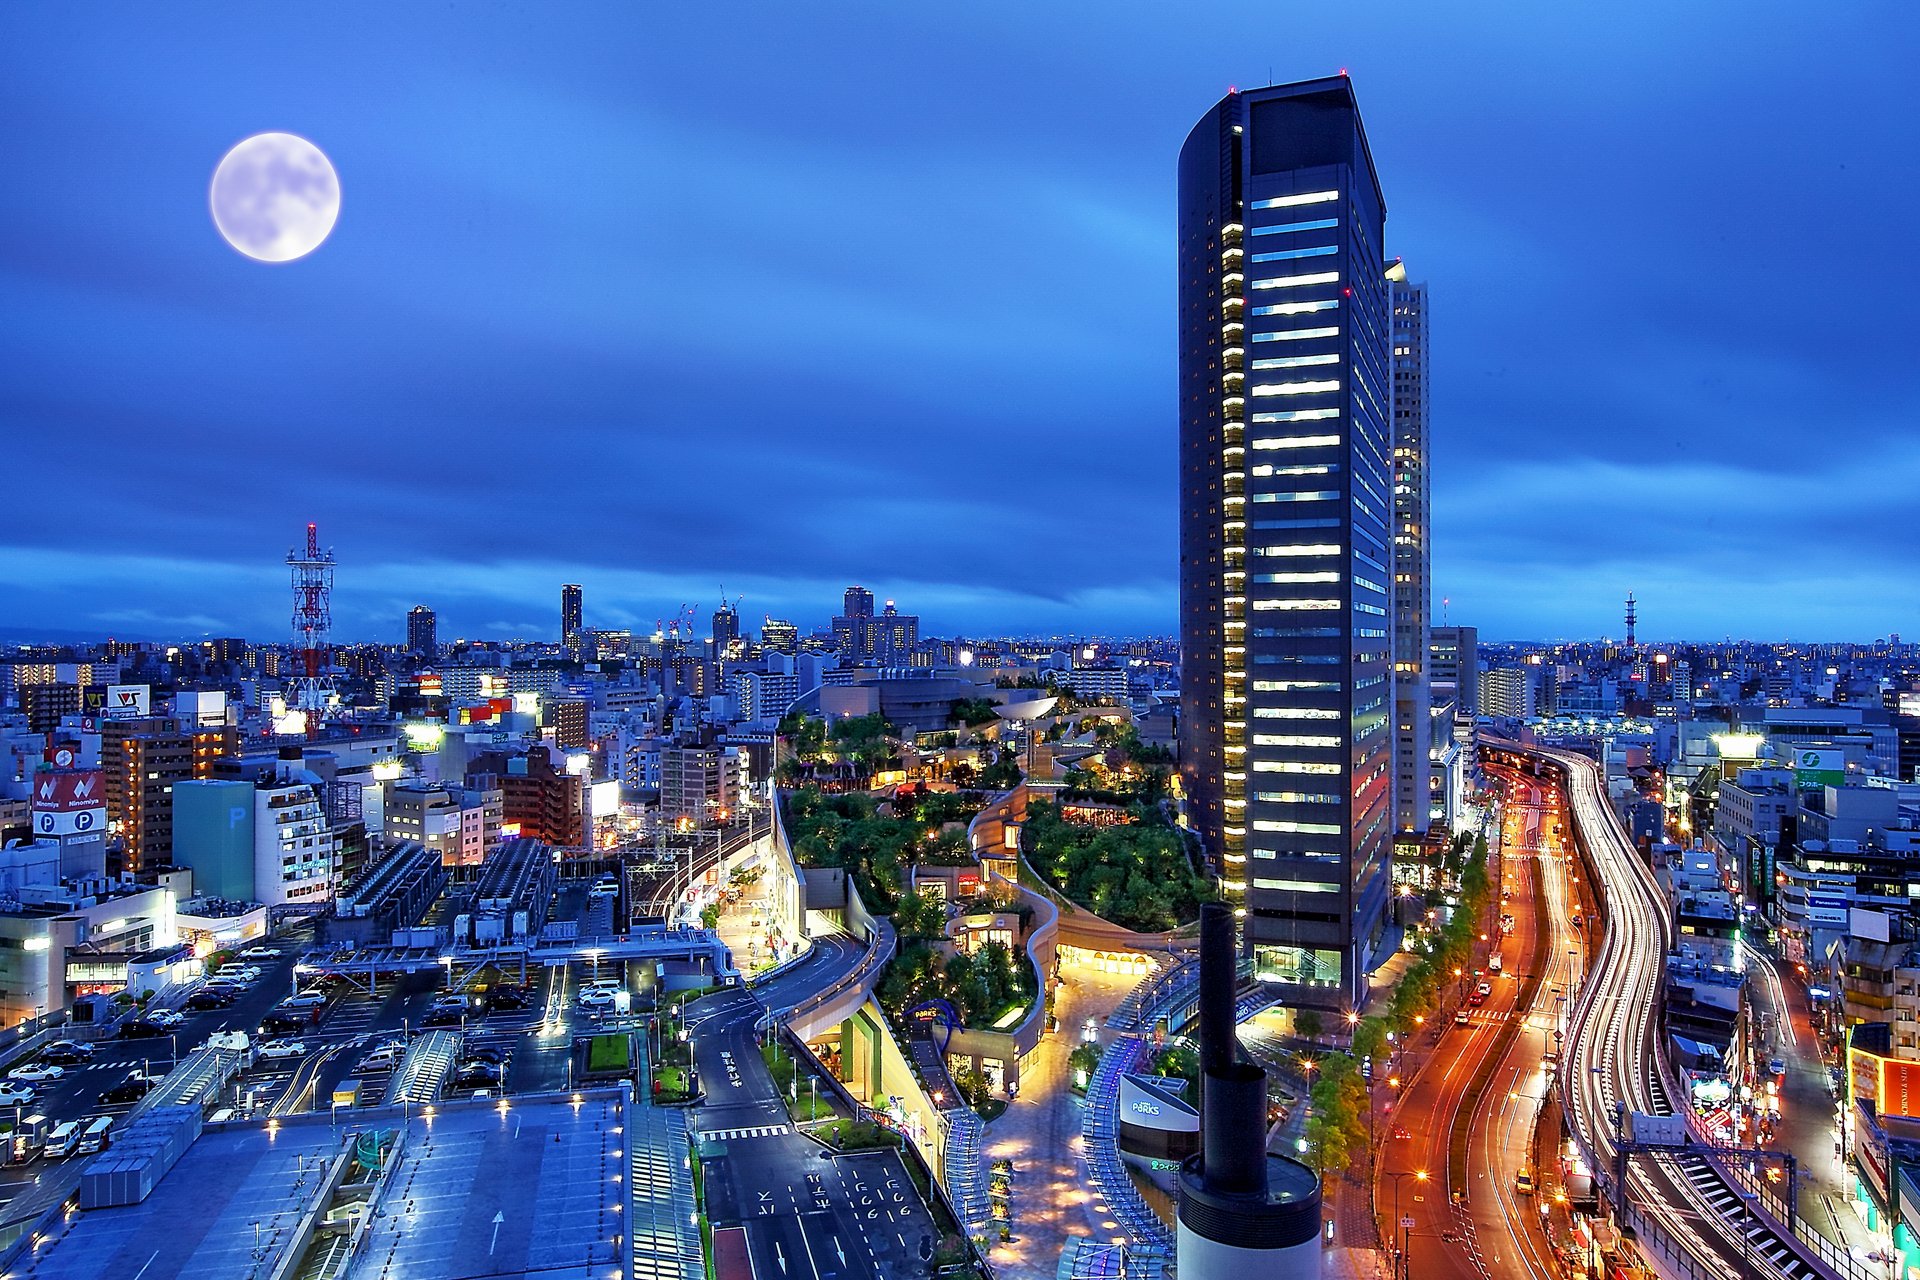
x=142, y=759
x=1412, y=557
x=857, y=603
x=1285, y=555
x=422, y=637
x=726, y=628
x=570, y=617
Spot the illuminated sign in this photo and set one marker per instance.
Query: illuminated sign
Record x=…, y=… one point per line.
x=1146, y=1108
x=128, y=701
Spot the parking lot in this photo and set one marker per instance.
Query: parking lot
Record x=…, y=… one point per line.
x=518, y=1041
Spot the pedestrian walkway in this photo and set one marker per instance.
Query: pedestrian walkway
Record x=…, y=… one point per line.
x=1039, y=1135
x=666, y=1235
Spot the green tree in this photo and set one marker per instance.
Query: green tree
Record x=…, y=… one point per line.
x=1308, y=1023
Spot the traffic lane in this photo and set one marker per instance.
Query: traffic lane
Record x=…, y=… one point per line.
x=827, y=961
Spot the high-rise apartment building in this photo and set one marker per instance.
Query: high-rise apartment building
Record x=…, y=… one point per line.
x=571, y=617
x=422, y=638
x=142, y=760
x=1285, y=552
x=1412, y=555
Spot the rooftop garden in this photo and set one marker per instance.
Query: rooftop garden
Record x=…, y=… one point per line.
x=983, y=987
x=877, y=839
x=1137, y=875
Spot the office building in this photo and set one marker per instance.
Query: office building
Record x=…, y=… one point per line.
x=726, y=629
x=540, y=798
x=1285, y=556
x=459, y=824
x=422, y=640
x=1453, y=657
x=571, y=617
x=779, y=635
x=260, y=837
x=47, y=704
x=1412, y=555
x=142, y=760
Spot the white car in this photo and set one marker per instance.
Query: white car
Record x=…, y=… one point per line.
x=385, y=1056
x=259, y=953
x=15, y=1095
x=283, y=1049
x=36, y=1071
x=305, y=1000
x=166, y=1018
x=595, y=998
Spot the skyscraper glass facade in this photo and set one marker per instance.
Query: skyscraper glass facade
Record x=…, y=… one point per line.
x=1286, y=545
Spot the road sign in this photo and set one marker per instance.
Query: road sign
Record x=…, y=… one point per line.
x=1406, y=1221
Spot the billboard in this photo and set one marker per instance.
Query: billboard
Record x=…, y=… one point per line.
x=128, y=701
x=69, y=803
x=1819, y=766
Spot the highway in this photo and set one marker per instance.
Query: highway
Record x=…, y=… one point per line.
x=1615, y=1056
x=1466, y=1125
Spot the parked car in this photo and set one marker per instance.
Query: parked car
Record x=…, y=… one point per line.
x=260, y=953
x=36, y=1072
x=442, y=1016
x=594, y=998
x=165, y=1018
x=305, y=1000
x=284, y=1020
x=509, y=998
x=131, y=1089
x=14, y=1095
x=383, y=1057
x=485, y=1053
x=141, y=1029
x=283, y=1049
x=477, y=1075
x=210, y=998
x=67, y=1052
x=1523, y=1182
x=1776, y=1068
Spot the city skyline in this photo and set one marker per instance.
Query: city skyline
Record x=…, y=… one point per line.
x=476, y=301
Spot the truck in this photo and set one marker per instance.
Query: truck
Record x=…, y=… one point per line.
x=237, y=1043
x=29, y=1138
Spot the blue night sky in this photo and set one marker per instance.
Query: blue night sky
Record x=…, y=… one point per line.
x=784, y=296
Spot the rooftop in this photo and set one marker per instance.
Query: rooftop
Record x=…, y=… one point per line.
x=458, y=1202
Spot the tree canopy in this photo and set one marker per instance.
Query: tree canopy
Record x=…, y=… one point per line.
x=1138, y=876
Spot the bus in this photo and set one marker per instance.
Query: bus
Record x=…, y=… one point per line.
x=94, y=1137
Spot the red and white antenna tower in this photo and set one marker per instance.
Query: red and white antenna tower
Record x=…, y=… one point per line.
x=312, y=620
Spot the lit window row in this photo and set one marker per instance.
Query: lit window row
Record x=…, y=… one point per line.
x=1310, y=251
x=1294, y=201
x=1278, y=579
x=1295, y=362
x=1312, y=495
x=1313, y=767
x=1316, y=224
x=1294, y=606
x=1301, y=828
x=1318, y=469
x=1291, y=335
x=1295, y=686
x=1295, y=415
x=1295, y=442
x=1297, y=886
x=1314, y=387
x=1298, y=797
x=1297, y=740
x=1299, y=281
x=1296, y=308
x=1300, y=549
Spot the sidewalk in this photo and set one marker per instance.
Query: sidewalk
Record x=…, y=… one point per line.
x=745, y=928
x=1040, y=1134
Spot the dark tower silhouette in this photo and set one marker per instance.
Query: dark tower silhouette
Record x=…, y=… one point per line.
x=1243, y=1212
x=1632, y=618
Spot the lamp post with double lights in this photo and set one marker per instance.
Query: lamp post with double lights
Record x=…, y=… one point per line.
x=1399, y=1236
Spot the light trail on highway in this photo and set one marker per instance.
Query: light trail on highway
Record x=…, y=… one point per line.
x=1614, y=1058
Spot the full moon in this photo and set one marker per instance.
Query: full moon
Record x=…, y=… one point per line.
x=275, y=197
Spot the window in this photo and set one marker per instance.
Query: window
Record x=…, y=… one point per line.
x=1295, y=415
x=1296, y=442
x=1279, y=579
x=1309, y=495
x=1297, y=282
x=1294, y=886
x=1314, y=387
x=1296, y=308
x=1289, y=335
x=1317, y=224
x=1296, y=740
x=1312, y=251
x=1295, y=362
x=1300, y=549
x=1295, y=686
x=1299, y=828
x=1289, y=202
x=1314, y=767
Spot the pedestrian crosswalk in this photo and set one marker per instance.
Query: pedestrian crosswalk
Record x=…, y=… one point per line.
x=751, y=1131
